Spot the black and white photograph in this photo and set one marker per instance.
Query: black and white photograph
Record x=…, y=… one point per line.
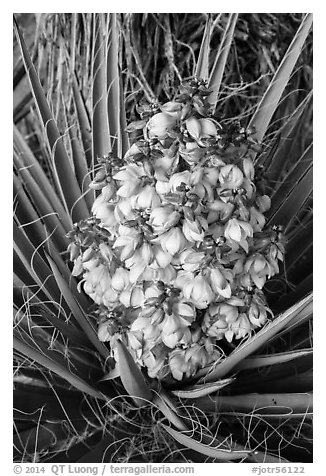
x=162, y=242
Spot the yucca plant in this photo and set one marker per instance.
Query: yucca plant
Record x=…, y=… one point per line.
x=149, y=281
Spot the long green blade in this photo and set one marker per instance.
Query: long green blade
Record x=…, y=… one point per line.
x=66, y=180
x=282, y=159
x=113, y=85
x=24, y=158
x=217, y=72
x=269, y=102
x=100, y=121
x=131, y=376
x=63, y=372
x=271, y=359
x=293, y=202
x=280, y=404
x=197, y=391
x=83, y=122
x=206, y=448
x=203, y=57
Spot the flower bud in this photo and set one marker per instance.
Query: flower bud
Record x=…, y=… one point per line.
x=104, y=211
x=120, y=279
x=219, y=284
x=193, y=230
x=74, y=251
x=248, y=168
x=257, y=315
x=199, y=292
x=230, y=176
x=180, y=179
x=146, y=198
x=160, y=124
x=238, y=230
x=172, y=241
x=194, y=128
x=173, y=108
x=208, y=128
x=161, y=258
x=78, y=267
x=178, y=364
x=263, y=203
x=241, y=327
x=163, y=218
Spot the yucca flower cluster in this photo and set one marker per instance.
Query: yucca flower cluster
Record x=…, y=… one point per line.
x=176, y=254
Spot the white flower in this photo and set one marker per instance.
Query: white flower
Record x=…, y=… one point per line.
x=97, y=282
x=161, y=258
x=218, y=319
x=155, y=363
x=167, y=274
x=104, y=211
x=171, y=323
x=180, y=336
x=219, y=284
x=197, y=357
x=139, y=261
x=162, y=187
x=123, y=210
x=241, y=327
x=189, y=259
x=180, y=178
x=110, y=297
x=208, y=128
x=219, y=210
x=191, y=153
x=200, y=128
x=173, y=241
x=257, y=219
x=120, y=279
x=199, y=292
x=230, y=176
x=132, y=296
x=106, y=329
x=160, y=124
x=259, y=268
x=130, y=176
x=128, y=239
x=257, y=315
x=194, y=230
x=163, y=218
x=194, y=128
x=173, y=108
x=238, y=231
x=248, y=168
x=146, y=198
x=263, y=203
x=150, y=332
x=211, y=175
x=184, y=310
x=165, y=165
x=177, y=363
x=78, y=267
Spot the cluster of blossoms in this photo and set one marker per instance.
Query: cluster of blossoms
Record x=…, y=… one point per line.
x=176, y=254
